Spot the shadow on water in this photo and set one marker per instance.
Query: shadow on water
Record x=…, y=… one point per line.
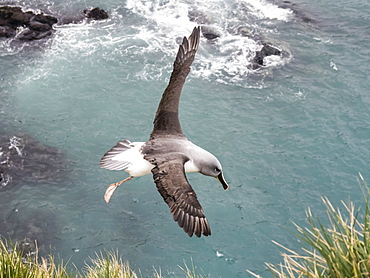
x=33, y=226
x=24, y=159
x=28, y=165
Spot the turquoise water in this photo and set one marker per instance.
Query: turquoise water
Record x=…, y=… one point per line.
x=286, y=134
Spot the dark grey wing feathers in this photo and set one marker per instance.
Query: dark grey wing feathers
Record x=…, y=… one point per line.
x=188, y=48
x=169, y=176
x=166, y=121
x=168, y=172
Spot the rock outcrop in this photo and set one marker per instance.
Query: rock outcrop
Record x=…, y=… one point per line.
x=96, y=13
x=36, y=26
x=28, y=26
x=267, y=50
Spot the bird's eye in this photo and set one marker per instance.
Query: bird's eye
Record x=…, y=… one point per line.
x=217, y=170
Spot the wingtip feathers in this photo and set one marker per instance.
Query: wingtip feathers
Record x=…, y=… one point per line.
x=189, y=46
x=192, y=222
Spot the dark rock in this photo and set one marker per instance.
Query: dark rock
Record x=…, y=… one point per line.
x=13, y=16
x=4, y=179
x=210, y=33
x=7, y=32
x=23, y=158
x=267, y=50
x=96, y=14
x=38, y=25
x=46, y=19
x=30, y=35
x=210, y=36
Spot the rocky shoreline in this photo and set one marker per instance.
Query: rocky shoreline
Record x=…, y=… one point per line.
x=27, y=26
x=23, y=26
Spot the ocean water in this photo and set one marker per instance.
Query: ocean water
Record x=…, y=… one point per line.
x=286, y=134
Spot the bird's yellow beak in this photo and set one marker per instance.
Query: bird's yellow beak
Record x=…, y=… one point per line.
x=221, y=179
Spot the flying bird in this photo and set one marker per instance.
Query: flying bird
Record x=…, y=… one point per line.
x=168, y=154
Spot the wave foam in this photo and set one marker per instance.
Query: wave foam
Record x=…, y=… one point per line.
x=225, y=59
x=263, y=9
x=147, y=34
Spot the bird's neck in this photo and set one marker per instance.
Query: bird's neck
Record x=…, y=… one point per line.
x=191, y=167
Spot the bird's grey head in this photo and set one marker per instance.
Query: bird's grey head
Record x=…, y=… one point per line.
x=210, y=166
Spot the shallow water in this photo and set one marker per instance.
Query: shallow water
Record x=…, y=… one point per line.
x=286, y=134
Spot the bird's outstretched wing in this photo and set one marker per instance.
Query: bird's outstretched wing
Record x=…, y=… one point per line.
x=172, y=184
x=166, y=121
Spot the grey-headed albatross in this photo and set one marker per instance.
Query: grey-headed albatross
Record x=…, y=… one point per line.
x=169, y=154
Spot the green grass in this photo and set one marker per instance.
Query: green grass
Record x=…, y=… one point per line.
x=340, y=250
x=15, y=262
x=108, y=265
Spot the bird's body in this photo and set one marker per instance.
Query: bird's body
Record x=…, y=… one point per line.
x=168, y=154
x=131, y=157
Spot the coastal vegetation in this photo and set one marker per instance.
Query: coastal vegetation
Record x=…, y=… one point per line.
x=15, y=262
x=340, y=248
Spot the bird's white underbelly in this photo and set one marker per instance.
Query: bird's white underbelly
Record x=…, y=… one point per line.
x=140, y=168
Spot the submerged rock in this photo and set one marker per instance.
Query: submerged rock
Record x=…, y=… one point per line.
x=299, y=14
x=245, y=31
x=210, y=33
x=23, y=158
x=30, y=228
x=199, y=17
x=203, y=19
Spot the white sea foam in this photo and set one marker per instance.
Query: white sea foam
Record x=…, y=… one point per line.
x=225, y=59
x=333, y=65
x=14, y=143
x=219, y=254
x=263, y=9
x=153, y=40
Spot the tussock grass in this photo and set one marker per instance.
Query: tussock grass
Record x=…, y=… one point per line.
x=340, y=250
x=109, y=265
x=190, y=272
x=15, y=262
